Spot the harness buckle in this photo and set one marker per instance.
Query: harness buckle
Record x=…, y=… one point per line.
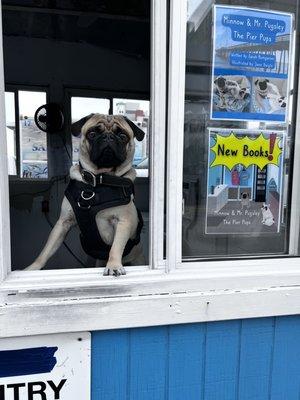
x=85, y=196
x=89, y=177
x=83, y=207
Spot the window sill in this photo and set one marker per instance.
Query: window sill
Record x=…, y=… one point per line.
x=59, y=301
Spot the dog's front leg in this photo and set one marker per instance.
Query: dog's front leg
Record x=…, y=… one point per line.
x=123, y=232
x=56, y=237
x=114, y=264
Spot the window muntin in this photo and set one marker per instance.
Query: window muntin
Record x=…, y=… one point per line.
x=198, y=184
x=10, y=117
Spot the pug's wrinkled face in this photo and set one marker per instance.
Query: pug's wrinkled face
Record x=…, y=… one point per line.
x=262, y=86
x=106, y=139
x=220, y=82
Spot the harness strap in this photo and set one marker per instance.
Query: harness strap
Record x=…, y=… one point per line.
x=87, y=201
x=103, y=179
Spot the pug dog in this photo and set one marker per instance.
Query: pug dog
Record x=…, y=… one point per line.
x=106, y=153
x=230, y=95
x=267, y=96
x=221, y=84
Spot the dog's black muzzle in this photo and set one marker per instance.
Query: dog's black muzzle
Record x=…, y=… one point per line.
x=221, y=83
x=106, y=152
x=262, y=85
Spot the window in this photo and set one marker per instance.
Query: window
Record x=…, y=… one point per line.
x=199, y=265
x=233, y=209
x=102, y=60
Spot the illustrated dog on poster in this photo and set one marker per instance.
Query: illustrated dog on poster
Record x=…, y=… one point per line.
x=267, y=96
x=230, y=95
x=267, y=216
x=245, y=200
x=100, y=196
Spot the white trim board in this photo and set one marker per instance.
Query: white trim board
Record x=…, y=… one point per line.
x=148, y=298
x=61, y=315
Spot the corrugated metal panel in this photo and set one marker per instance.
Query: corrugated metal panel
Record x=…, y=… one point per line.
x=254, y=359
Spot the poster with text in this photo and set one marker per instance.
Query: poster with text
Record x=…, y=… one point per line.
x=244, y=184
x=251, y=63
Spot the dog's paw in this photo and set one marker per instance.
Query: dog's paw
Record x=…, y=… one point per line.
x=114, y=271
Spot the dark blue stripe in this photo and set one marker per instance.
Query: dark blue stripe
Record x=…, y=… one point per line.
x=225, y=71
x=37, y=360
x=248, y=116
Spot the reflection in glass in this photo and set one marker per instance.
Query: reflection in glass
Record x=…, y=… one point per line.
x=33, y=142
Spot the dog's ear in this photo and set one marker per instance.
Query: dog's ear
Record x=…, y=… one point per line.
x=138, y=132
x=76, y=126
x=255, y=83
x=267, y=80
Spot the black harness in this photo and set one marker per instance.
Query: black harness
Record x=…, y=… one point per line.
x=97, y=193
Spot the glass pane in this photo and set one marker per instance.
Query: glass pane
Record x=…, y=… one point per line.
x=239, y=128
x=33, y=141
x=10, y=118
x=80, y=107
x=138, y=112
x=75, y=57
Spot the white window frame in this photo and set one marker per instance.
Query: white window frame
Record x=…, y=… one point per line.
x=170, y=291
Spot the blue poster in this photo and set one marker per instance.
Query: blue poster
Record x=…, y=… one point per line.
x=251, y=62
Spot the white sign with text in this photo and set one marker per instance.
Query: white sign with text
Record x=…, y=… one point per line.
x=45, y=367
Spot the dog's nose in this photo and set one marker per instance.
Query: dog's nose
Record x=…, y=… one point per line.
x=109, y=137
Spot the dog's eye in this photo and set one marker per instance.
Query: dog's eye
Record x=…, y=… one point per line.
x=122, y=135
x=91, y=135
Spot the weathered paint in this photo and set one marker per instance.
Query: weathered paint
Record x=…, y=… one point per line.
x=250, y=359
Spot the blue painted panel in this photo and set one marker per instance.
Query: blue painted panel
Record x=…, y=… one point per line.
x=255, y=358
x=221, y=360
x=186, y=367
x=285, y=378
x=110, y=352
x=148, y=364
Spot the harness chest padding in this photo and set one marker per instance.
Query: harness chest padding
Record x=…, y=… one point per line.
x=87, y=201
